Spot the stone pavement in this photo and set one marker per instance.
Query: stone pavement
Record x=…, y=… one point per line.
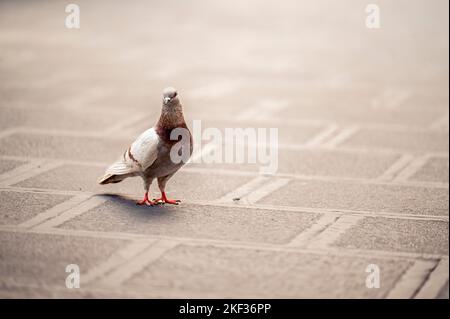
x=363, y=159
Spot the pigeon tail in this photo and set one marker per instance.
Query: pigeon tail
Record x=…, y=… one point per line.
x=117, y=172
x=110, y=179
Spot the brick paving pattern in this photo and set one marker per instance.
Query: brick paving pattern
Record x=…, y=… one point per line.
x=363, y=159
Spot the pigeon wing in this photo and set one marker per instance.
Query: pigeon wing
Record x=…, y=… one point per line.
x=144, y=151
x=136, y=159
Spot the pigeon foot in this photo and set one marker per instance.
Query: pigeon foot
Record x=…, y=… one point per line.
x=146, y=201
x=164, y=200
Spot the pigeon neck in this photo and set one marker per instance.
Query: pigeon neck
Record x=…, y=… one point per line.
x=171, y=117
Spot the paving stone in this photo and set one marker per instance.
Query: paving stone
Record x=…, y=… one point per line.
x=7, y=165
x=419, y=236
x=360, y=196
x=17, y=207
x=407, y=141
x=435, y=170
x=27, y=259
x=187, y=220
x=183, y=185
x=246, y=273
x=67, y=120
x=68, y=147
x=333, y=163
x=67, y=177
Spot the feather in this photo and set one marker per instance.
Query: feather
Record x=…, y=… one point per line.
x=135, y=160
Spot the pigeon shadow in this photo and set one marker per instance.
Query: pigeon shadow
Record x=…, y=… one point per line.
x=128, y=204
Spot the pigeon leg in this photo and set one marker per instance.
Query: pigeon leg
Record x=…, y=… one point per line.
x=146, y=201
x=162, y=185
x=165, y=200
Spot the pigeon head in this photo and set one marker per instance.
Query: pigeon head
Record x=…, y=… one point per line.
x=170, y=96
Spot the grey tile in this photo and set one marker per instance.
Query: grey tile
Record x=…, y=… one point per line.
x=212, y=272
x=419, y=236
x=361, y=196
x=41, y=259
x=17, y=207
x=187, y=220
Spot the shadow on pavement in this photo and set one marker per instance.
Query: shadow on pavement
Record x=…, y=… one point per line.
x=128, y=204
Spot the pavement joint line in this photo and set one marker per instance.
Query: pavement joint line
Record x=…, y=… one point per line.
x=117, y=259
x=240, y=192
x=306, y=237
x=25, y=167
x=342, y=136
x=137, y=263
x=29, y=170
x=443, y=218
x=412, y=168
x=436, y=281
x=54, y=211
x=338, y=251
x=266, y=189
x=43, y=191
x=395, y=168
x=79, y=233
x=322, y=136
x=413, y=278
x=299, y=209
x=235, y=172
x=69, y=214
x=334, y=231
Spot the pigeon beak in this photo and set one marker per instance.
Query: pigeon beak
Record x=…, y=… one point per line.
x=166, y=100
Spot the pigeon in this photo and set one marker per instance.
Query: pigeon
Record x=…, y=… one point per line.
x=149, y=156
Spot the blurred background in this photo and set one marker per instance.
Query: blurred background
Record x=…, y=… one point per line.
x=362, y=115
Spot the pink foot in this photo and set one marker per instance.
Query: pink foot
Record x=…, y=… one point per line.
x=165, y=200
x=146, y=201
